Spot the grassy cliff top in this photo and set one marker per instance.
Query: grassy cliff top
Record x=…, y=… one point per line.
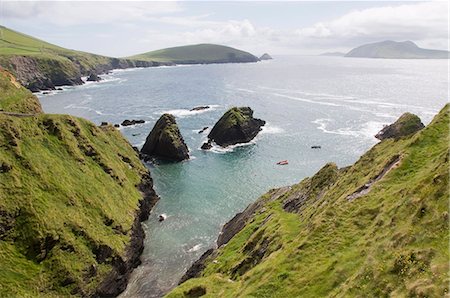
x=15, y=98
x=68, y=201
x=378, y=228
x=200, y=53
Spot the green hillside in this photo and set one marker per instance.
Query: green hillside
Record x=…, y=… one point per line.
x=39, y=65
x=197, y=54
x=378, y=228
x=71, y=202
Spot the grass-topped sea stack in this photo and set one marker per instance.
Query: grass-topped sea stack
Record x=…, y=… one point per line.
x=236, y=126
x=165, y=140
x=405, y=125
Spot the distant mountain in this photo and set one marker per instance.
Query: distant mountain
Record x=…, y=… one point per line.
x=336, y=54
x=197, y=54
x=396, y=50
x=265, y=56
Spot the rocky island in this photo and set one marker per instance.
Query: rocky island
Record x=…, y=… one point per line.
x=165, y=140
x=396, y=50
x=237, y=125
x=265, y=56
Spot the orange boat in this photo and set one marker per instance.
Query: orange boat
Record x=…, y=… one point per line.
x=282, y=162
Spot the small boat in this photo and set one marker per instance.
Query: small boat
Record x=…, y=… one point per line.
x=282, y=162
x=162, y=217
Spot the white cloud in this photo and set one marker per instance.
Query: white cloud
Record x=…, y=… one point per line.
x=74, y=13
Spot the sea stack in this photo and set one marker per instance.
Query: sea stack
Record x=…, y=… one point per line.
x=405, y=125
x=265, y=56
x=237, y=125
x=165, y=140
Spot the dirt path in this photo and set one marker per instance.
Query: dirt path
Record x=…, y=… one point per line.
x=20, y=115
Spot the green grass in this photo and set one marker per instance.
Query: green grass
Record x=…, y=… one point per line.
x=201, y=53
x=67, y=189
x=393, y=241
x=15, y=98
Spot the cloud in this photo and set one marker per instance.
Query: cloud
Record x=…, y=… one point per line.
x=68, y=13
x=424, y=21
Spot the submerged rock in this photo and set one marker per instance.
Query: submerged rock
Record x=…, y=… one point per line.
x=199, y=108
x=405, y=125
x=165, y=140
x=93, y=78
x=237, y=125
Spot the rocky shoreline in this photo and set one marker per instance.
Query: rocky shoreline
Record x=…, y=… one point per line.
x=33, y=73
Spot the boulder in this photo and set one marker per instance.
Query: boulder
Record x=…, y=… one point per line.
x=405, y=125
x=93, y=78
x=165, y=140
x=206, y=145
x=237, y=125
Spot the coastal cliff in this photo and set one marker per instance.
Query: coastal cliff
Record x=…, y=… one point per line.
x=378, y=227
x=73, y=196
x=39, y=65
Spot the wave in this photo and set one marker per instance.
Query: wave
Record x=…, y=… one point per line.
x=221, y=150
x=367, y=130
x=195, y=248
x=271, y=129
x=182, y=113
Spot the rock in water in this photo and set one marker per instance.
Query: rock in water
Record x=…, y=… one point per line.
x=405, y=125
x=165, y=140
x=237, y=125
x=199, y=108
x=265, y=57
x=93, y=78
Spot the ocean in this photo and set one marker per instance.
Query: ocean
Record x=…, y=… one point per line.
x=334, y=102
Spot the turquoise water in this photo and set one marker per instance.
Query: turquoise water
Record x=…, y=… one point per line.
x=337, y=103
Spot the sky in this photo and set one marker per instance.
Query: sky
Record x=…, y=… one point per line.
x=124, y=28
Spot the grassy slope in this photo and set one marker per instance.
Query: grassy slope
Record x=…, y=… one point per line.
x=66, y=192
x=13, y=43
x=392, y=241
x=15, y=98
x=203, y=53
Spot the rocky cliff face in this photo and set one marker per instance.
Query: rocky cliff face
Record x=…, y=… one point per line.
x=73, y=196
x=378, y=227
x=43, y=73
x=165, y=140
x=237, y=125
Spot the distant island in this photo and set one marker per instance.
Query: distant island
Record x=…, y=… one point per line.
x=197, y=54
x=396, y=50
x=39, y=65
x=265, y=56
x=335, y=54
